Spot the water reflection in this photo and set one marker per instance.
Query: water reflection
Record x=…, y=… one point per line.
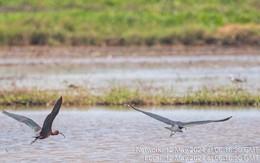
x=99, y=134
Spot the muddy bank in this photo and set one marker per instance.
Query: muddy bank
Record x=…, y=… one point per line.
x=90, y=51
x=177, y=71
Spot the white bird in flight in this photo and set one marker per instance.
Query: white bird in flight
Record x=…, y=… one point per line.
x=177, y=126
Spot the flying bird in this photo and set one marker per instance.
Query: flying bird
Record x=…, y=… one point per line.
x=177, y=126
x=44, y=131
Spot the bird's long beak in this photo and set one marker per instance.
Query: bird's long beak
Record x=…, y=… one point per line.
x=62, y=134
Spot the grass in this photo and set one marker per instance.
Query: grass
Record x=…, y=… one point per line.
x=121, y=96
x=129, y=22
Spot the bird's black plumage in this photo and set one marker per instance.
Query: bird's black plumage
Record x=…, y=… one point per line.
x=28, y=121
x=44, y=131
x=47, y=125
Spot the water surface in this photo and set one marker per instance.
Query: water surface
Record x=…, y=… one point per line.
x=111, y=135
x=180, y=74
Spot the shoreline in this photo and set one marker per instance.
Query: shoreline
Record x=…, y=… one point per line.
x=101, y=51
x=122, y=96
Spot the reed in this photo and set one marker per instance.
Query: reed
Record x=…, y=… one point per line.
x=121, y=95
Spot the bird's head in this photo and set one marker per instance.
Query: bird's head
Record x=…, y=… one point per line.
x=57, y=132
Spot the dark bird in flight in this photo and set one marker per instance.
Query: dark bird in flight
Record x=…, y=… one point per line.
x=44, y=131
x=177, y=126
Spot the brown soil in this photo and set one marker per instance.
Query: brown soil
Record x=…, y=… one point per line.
x=134, y=51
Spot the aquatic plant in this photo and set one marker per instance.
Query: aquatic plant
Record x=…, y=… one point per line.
x=121, y=95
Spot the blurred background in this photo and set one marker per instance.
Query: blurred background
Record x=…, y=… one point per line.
x=130, y=49
x=135, y=22
x=186, y=60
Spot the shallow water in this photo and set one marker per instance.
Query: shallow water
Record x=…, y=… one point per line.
x=179, y=74
x=113, y=135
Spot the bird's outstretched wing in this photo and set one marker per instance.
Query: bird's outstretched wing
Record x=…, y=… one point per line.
x=29, y=122
x=193, y=123
x=46, y=128
x=155, y=116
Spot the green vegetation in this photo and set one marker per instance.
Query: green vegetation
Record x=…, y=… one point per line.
x=121, y=95
x=129, y=22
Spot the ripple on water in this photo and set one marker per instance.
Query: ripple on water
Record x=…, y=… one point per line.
x=104, y=135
